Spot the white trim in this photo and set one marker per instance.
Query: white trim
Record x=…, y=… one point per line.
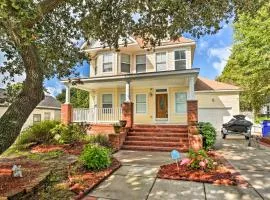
x=135, y=59
x=146, y=109
x=179, y=113
x=185, y=50
x=166, y=60
x=102, y=98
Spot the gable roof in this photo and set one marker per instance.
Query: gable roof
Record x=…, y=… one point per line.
x=203, y=84
x=49, y=102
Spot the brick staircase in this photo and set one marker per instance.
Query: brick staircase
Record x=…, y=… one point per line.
x=157, y=138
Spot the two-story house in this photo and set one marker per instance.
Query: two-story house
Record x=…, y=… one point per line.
x=160, y=84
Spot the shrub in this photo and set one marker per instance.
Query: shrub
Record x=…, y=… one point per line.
x=209, y=133
x=66, y=134
x=99, y=139
x=38, y=133
x=198, y=160
x=95, y=157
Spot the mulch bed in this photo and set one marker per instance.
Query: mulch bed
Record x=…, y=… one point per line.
x=224, y=174
x=82, y=181
x=32, y=172
x=265, y=141
x=74, y=149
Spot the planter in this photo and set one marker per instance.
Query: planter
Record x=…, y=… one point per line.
x=123, y=123
x=117, y=128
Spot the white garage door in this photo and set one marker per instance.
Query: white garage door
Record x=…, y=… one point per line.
x=216, y=116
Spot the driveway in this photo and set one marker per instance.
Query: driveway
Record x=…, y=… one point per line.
x=136, y=179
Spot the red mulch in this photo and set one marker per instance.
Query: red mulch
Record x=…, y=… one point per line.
x=74, y=149
x=224, y=174
x=265, y=141
x=82, y=181
x=31, y=170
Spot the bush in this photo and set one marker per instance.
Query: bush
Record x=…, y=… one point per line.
x=99, y=139
x=95, y=157
x=209, y=133
x=66, y=134
x=38, y=133
x=198, y=160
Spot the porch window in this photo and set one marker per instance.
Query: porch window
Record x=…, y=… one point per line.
x=141, y=103
x=180, y=59
x=161, y=61
x=140, y=63
x=47, y=116
x=122, y=98
x=125, y=63
x=36, y=118
x=180, y=102
x=107, y=101
x=107, y=62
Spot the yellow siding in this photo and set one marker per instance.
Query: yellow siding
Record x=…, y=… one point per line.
x=149, y=116
x=219, y=100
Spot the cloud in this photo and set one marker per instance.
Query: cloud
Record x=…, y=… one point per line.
x=54, y=87
x=202, y=46
x=220, y=55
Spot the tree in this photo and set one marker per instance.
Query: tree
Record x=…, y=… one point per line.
x=12, y=91
x=79, y=98
x=249, y=64
x=38, y=37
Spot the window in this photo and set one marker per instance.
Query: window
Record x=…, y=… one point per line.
x=122, y=98
x=180, y=59
x=36, y=118
x=47, y=116
x=141, y=103
x=180, y=102
x=125, y=63
x=140, y=63
x=107, y=62
x=107, y=101
x=161, y=61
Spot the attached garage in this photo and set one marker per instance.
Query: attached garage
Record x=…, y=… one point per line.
x=217, y=102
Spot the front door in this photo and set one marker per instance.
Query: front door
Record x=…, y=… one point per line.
x=162, y=106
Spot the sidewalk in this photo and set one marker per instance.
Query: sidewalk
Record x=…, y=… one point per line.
x=136, y=179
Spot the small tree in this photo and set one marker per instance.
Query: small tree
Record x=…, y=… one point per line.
x=79, y=98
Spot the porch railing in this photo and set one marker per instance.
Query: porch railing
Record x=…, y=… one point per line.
x=97, y=115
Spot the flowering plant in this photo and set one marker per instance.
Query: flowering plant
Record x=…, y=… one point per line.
x=198, y=160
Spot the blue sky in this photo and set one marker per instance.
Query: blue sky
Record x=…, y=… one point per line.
x=212, y=52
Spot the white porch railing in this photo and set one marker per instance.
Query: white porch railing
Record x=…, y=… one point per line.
x=97, y=115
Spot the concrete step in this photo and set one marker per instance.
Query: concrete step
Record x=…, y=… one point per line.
x=156, y=144
x=157, y=134
x=154, y=138
x=153, y=148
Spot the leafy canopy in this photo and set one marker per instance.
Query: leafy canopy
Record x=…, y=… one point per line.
x=79, y=98
x=249, y=64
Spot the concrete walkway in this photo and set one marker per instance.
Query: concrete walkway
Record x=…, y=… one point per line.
x=136, y=179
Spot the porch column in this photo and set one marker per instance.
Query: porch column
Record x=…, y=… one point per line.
x=66, y=108
x=127, y=91
x=191, y=88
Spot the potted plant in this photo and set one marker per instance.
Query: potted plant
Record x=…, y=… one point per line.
x=117, y=127
x=123, y=123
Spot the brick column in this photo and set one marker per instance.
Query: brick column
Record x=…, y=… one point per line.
x=127, y=113
x=195, y=139
x=66, y=113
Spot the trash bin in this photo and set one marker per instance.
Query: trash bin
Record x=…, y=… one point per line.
x=266, y=128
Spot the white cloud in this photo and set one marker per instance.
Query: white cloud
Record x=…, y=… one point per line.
x=221, y=55
x=54, y=90
x=202, y=46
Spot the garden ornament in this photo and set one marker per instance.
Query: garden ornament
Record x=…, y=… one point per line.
x=17, y=172
x=175, y=156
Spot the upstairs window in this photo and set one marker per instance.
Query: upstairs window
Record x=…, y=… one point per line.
x=161, y=61
x=140, y=63
x=107, y=101
x=125, y=63
x=180, y=59
x=180, y=102
x=107, y=62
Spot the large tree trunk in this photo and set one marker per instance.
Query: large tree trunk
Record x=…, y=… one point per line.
x=30, y=96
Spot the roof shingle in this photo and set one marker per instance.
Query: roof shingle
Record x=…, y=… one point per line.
x=203, y=84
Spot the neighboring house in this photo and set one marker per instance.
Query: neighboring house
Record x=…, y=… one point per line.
x=161, y=83
x=265, y=110
x=47, y=109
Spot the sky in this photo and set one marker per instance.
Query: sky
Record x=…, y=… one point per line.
x=211, y=55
